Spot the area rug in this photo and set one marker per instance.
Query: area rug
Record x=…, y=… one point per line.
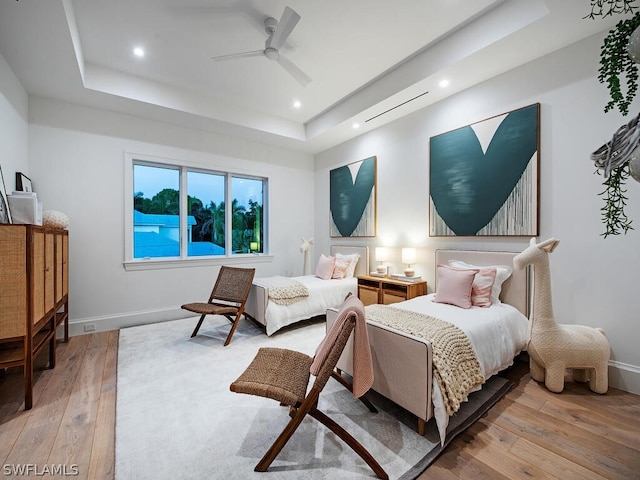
x=177, y=419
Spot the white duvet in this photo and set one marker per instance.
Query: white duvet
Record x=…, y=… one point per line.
x=323, y=294
x=497, y=333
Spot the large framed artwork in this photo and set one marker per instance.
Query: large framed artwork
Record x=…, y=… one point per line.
x=352, y=199
x=483, y=178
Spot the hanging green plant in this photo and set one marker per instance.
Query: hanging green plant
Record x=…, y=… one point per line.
x=615, y=61
x=613, y=216
x=613, y=160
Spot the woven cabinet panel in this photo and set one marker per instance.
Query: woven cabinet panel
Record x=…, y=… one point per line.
x=37, y=299
x=13, y=281
x=49, y=272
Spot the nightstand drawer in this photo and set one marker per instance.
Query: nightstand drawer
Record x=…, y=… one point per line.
x=392, y=297
x=387, y=290
x=367, y=295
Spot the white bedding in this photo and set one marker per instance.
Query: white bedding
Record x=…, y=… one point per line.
x=497, y=334
x=323, y=294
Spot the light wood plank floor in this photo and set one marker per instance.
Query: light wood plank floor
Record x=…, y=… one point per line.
x=530, y=433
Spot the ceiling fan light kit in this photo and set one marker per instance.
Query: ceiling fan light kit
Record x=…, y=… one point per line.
x=278, y=32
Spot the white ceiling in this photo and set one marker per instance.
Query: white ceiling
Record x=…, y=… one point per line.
x=365, y=57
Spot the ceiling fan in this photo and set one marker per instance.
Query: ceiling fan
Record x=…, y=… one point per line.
x=278, y=32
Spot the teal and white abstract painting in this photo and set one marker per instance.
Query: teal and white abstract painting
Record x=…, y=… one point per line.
x=483, y=178
x=352, y=197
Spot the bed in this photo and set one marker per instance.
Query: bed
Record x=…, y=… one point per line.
x=323, y=294
x=403, y=362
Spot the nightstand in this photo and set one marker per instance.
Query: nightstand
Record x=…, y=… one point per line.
x=387, y=290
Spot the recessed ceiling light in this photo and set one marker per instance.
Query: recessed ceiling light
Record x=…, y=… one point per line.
x=138, y=51
x=356, y=125
x=297, y=104
x=444, y=83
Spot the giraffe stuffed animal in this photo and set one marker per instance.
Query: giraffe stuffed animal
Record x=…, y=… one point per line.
x=554, y=348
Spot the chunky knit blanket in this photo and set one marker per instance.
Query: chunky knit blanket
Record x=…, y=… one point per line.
x=284, y=290
x=455, y=365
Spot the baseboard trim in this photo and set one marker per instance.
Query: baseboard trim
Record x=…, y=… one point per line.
x=82, y=326
x=624, y=377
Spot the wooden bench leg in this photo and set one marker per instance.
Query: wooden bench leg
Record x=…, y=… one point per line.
x=422, y=425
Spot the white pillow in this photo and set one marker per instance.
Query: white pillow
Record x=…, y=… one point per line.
x=502, y=273
x=324, y=270
x=351, y=269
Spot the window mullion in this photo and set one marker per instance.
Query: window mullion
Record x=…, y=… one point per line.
x=184, y=203
x=228, y=216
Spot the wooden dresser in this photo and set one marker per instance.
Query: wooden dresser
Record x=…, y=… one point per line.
x=387, y=290
x=34, y=296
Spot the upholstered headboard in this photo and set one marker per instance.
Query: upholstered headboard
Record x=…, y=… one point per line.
x=362, y=267
x=515, y=290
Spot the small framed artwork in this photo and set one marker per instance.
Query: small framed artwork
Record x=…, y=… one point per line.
x=483, y=178
x=5, y=214
x=352, y=197
x=23, y=183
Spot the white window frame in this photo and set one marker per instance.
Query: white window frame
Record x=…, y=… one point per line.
x=135, y=264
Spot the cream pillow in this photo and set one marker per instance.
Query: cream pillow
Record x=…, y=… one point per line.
x=324, y=270
x=502, y=273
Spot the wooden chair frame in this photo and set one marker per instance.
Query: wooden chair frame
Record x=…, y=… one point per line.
x=309, y=404
x=228, y=298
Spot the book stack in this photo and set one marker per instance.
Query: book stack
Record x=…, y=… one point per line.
x=377, y=274
x=403, y=278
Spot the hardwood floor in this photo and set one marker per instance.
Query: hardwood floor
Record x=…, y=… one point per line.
x=530, y=433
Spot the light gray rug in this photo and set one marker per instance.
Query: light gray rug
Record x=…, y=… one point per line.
x=177, y=419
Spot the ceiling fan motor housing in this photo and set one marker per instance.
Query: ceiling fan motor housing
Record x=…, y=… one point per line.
x=270, y=25
x=271, y=53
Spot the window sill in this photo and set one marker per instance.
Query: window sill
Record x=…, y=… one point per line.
x=158, y=264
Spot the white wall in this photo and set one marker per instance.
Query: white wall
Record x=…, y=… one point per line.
x=594, y=280
x=13, y=127
x=76, y=158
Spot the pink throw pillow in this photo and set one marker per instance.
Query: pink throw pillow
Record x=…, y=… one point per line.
x=340, y=268
x=324, y=270
x=454, y=286
x=481, y=287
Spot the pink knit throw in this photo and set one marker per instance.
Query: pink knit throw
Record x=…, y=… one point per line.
x=362, y=364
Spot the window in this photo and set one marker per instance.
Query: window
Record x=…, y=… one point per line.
x=206, y=214
x=179, y=212
x=247, y=215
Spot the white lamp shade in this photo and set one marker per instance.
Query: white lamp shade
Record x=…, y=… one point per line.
x=382, y=254
x=408, y=255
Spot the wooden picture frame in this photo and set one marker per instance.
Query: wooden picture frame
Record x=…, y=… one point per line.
x=23, y=183
x=352, y=199
x=5, y=213
x=484, y=178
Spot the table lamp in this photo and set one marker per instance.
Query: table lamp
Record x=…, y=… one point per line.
x=409, y=257
x=382, y=255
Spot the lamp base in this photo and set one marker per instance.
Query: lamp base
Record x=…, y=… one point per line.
x=381, y=269
x=409, y=272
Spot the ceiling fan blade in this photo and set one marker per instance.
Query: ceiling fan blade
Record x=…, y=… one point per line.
x=302, y=78
x=287, y=23
x=233, y=56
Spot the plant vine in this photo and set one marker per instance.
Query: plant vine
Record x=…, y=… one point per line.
x=615, y=61
x=605, y=8
x=613, y=215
